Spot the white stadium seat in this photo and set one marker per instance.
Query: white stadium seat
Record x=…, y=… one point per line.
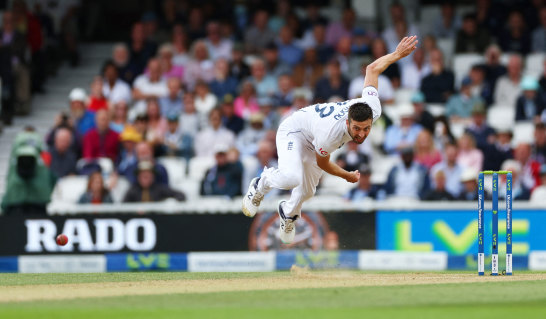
x=534, y=65
x=198, y=166
x=121, y=188
x=176, y=169
x=462, y=63
x=69, y=189
x=523, y=133
x=403, y=95
x=501, y=116
x=381, y=167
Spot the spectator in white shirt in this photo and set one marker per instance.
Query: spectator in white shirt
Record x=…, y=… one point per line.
x=451, y=169
x=205, y=101
x=148, y=86
x=207, y=140
x=218, y=47
x=413, y=72
x=114, y=89
x=508, y=88
x=386, y=92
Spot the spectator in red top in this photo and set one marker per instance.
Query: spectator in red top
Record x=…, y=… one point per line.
x=101, y=141
x=97, y=101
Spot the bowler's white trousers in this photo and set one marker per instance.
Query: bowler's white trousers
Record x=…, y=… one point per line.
x=298, y=170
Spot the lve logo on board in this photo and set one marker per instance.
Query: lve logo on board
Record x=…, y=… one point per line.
x=110, y=235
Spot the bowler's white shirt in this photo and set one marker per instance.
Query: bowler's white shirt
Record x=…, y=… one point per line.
x=324, y=126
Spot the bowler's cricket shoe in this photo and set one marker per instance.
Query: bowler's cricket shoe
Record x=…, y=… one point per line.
x=253, y=198
x=287, y=228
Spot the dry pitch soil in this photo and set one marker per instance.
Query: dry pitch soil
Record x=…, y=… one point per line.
x=298, y=278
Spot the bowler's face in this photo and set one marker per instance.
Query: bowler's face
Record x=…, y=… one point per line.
x=359, y=130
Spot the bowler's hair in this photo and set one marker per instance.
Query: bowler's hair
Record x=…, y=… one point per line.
x=360, y=112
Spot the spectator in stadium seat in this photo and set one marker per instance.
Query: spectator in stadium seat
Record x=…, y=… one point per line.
x=379, y=49
x=172, y=103
x=248, y=139
x=408, y=178
x=439, y=191
x=342, y=28
x=386, y=91
x=271, y=113
x=83, y=119
x=538, y=152
x=508, y=87
x=97, y=100
x=469, y=180
x=493, y=67
x=113, y=88
x=519, y=190
x=352, y=158
x=483, y=133
x=223, y=83
x=180, y=45
x=515, y=37
x=451, y=170
x=168, y=69
x=539, y=34
x=360, y=42
x=63, y=158
x=289, y=52
x=284, y=96
x=324, y=50
x=497, y=151
x=195, y=25
x=470, y=38
x=479, y=87
x=459, y=106
x=224, y=178
x=204, y=100
x=246, y=103
x=332, y=84
x=265, y=84
x=442, y=132
x=426, y=153
x=146, y=189
x=215, y=134
x=144, y=153
x=447, y=24
x=365, y=188
x=530, y=103
x=230, y=120
x=200, y=67
x=346, y=58
x=176, y=142
x=422, y=116
x=403, y=135
x=120, y=57
x=414, y=71
x=157, y=125
x=530, y=168
x=237, y=67
x=148, y=86
x=96, y=192
x=189, y=119
x=218, y=46
x=129, y=138
x=469, y=156
x=309, y=70
x=399, y=28
x=141, y=50
x=258, y=35
x=101, y=141
x=439, y=84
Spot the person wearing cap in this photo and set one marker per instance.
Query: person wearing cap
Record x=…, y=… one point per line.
x=146, y=189
x=223, y=83
x=469, y=180
x=248, y=139
x=422, y=116
x=407, y=179
x=306, y=138
x=224, y=178
x=483, y=133
x=176, y=142
x=29, y=183
x=530, y=103
x=83, y=119
x=129, y=138
x=404, y=134
x=365, y=188
x=479, y=86
x=439, y=84
x=459, y=106
x=230, y=120
x=360, y=43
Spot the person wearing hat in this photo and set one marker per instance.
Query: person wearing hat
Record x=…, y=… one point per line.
x=483, y=133
x=225, y=177
x=230, y=120
x=147, y=190
x=306, y=139
x=29, y=183
x=176, y=142
x=405, y=133
x=82, y=119
x=459, y=106
x=422, y=116
x=469, y=179
x=247, y=141
x=365, y=188
x=128, y=138
x=530, y=103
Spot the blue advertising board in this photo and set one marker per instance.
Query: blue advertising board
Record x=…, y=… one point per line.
x=147, y=261
x=346, y=259
x=456, y=232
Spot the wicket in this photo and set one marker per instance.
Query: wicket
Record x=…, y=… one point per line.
x=495, y=222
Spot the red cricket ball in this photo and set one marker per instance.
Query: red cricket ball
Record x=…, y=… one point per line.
x=62, y=240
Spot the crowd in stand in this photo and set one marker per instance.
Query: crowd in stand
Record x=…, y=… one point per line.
x=192, y=85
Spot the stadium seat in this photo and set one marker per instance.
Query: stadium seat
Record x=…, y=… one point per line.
x=381, y=166
x=447, y=46
x=501, y=116
x=198, y=166
x=534, y=65
x=462, y=64
x=523, y=133
x=250, y=166
x=333, y=185
x=403, y=95
x=121, y=188
x=176, y=169
x=69, y=189
x=190, y=187
x=436, y=109
x=427, y=17
x=106, y=165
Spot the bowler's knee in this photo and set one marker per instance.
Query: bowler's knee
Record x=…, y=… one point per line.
x=292, y=180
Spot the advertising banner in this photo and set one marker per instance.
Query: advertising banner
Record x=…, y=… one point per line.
x=147, y=261
x=342, y=259
x=455, y=232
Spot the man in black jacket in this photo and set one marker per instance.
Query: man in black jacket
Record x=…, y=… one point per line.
x=146, y=190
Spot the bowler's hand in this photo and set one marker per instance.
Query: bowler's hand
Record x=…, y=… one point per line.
x=353, y=177
x=406, y=46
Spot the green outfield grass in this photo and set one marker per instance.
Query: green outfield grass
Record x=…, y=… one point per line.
x=491, y=299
